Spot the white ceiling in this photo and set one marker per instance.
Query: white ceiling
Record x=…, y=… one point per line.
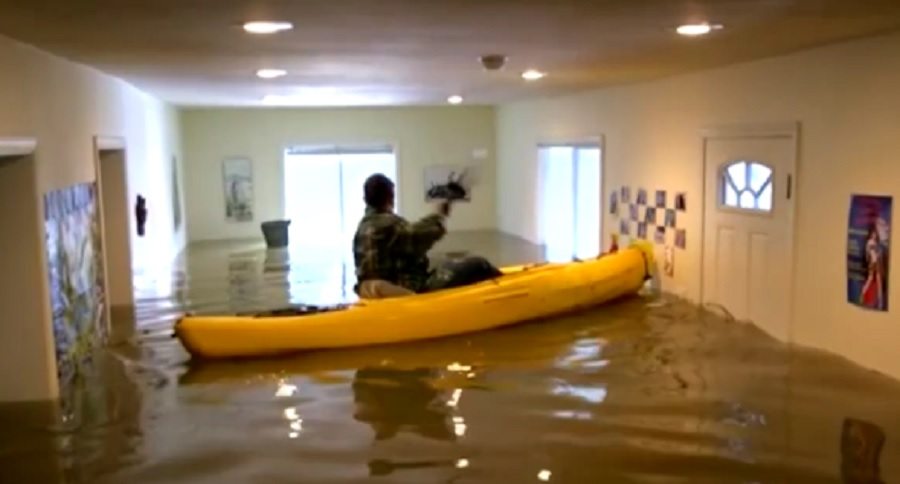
x=402, y=52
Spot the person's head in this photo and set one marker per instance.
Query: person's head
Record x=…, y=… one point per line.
x=378, y=192
x=873, y=233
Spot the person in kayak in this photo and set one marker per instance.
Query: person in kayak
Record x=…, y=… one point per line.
x=391, y=254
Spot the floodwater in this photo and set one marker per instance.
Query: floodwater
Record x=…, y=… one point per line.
x=646, y=390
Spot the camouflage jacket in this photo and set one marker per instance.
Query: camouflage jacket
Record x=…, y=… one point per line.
x=388, y=247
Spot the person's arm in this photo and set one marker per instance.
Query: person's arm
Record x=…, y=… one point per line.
x=424, y=233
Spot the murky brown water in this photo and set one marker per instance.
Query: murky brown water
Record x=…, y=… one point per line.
x=645, y=390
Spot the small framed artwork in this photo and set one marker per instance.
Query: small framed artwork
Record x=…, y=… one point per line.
x=642, y=197
x=633, y=213
x=237, y=174
x=650, y=216
x=624, y=227
x=661, y=199
x=642, y=230
x=681, y=239
x=626, y=195
x=681, y=201
x=614, y=204
x=659, y=236
x=670, y=218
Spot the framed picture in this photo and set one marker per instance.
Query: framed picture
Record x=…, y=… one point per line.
x=449, y=182
x=868, y=251
x=661, y=199
x=681, y=201
x=237, y=179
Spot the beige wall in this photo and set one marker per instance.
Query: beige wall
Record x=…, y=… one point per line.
x=845, y=97
x=64, y=105
x=421, y=136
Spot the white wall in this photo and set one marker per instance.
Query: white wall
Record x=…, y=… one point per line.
x=846, y=98
x=421, y=136
x=64, y=105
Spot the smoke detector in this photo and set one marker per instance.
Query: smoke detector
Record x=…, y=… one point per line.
x=493, y=62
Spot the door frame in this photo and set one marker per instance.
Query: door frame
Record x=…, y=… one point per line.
x=102, y=144
x=598, y=140
x=784, y=130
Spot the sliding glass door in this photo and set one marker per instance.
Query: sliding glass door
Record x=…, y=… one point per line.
x=323, y=191
x=323, y=198
x=569, y=201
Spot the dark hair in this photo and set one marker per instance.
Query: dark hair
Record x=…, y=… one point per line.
x=378, y=191
x=873, y=230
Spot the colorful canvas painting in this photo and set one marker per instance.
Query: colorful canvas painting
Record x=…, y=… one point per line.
x=449, y=182
x=237, y=176
x=75, y=269
x=868, y=251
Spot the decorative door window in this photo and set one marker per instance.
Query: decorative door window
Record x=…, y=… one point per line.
x=747, y=185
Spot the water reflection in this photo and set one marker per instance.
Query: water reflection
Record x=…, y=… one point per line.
x=392, y=401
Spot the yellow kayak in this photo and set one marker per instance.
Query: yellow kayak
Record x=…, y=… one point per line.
x=523, y=293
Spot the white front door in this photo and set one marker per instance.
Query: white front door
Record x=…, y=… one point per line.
x=748, y=228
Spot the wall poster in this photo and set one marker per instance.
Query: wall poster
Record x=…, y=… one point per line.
x=868, y=251
x=237, y=174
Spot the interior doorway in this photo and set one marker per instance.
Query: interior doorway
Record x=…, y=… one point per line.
x=748, y=224
x=27, y=362
x=115, y=223
x=570, y=181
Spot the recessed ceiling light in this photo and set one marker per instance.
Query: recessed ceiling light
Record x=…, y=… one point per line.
x=270, y=73
x=455, y=99
x=693, y=30
x=533, y=75
x=267, y=27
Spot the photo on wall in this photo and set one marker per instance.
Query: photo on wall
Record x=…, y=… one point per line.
x=237, y=174
x=633, y=213
x=614, y=204
x=661, y=199
x=868, y=251
x=681, y=239
x=659, y=235
x=642, y=231
x=650, y=216
x=681, y=201
x=624, y=227
x=642, y=196
x=449, y=182
x=670, y=218
x=625, y=195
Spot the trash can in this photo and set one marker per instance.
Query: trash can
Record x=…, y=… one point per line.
x=276, y=233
